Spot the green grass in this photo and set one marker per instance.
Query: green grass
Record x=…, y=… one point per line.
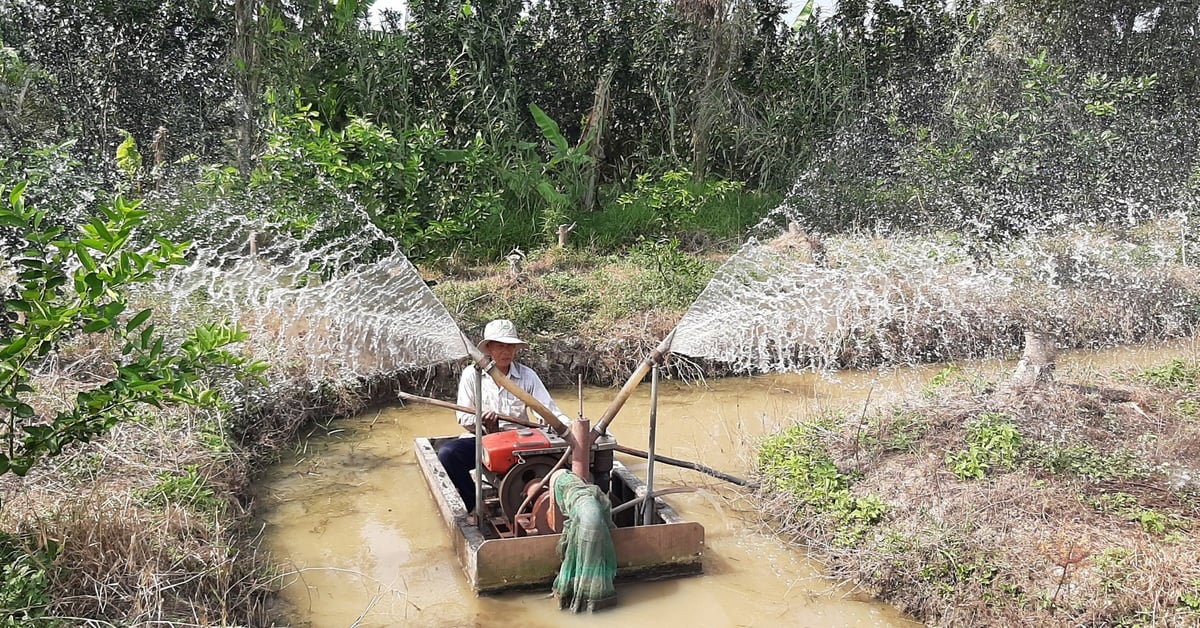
x=795, y=462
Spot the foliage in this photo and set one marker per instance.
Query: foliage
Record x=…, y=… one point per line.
x=1177, y=373
x=796, y=463
x=992, y=443
x=412, y=185
x=24, y=581
x=93, y=68
x=1082, y=459
x=676, y=278
x=188, y=487
x=65, y=288
x=674, y=200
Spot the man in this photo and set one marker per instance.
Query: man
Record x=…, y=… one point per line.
x=501, y=343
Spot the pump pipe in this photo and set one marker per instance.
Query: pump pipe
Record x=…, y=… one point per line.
x=485, y=363
x=636, y=378
x=479, y=507
x=648, y=513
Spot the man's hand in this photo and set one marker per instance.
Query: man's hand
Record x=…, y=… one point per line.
x=491, y=422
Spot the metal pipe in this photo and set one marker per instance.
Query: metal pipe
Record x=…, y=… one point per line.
x=648, y=506
x=636, y=378
x=581, y=458
x=478, y=445
x=502, y=380
x=659, y=493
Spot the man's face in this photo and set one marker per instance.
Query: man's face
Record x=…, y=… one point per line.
x=502, y=353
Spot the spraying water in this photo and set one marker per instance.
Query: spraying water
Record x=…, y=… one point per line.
x=789, y=300
x=330, y=305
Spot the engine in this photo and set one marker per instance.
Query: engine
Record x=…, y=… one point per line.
x=516, y=461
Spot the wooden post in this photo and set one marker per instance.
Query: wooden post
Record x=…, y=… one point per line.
x=1037, y=362
x=563, y=230
x=514, y=265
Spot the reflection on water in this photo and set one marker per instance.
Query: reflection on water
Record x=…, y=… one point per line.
x=351, y=520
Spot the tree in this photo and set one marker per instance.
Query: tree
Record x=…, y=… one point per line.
x=65, y=288
x=136, y=65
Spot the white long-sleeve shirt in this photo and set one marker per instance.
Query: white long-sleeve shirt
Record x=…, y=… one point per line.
x=499, y=400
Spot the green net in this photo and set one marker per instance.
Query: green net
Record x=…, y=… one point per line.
x=589, y=562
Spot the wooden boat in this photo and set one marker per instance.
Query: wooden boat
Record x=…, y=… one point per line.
x=495, y=562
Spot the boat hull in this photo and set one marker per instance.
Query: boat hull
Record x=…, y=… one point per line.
x=671, y=548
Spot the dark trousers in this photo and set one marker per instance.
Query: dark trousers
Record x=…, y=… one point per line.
x=458, y=458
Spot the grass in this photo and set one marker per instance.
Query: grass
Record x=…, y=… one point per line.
x=1073, y=503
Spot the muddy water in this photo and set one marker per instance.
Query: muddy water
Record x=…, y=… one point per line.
x=350, y=520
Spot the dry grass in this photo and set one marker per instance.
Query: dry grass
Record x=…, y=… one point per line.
x=1106, y=536
x=153, y=520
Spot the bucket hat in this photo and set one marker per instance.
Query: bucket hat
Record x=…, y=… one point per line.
x=501, y=330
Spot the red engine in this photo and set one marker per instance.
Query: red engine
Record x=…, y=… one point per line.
x=503, y=450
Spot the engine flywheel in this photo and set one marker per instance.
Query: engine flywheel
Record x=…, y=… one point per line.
x=521, y=479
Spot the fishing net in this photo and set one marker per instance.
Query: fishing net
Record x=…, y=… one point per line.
x=589, y=561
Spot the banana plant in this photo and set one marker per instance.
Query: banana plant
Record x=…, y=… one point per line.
x=564, y=173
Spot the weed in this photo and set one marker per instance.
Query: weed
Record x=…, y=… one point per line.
x=1113, y=567
x=1190, y=599
x=1084, y=460
x=796, y=463
x=1151, y=521
x=992, y=442
x=24, y=582
x=1175, y=374
x=189, y=488
x=675, y=278
x=902, y=431
x=1113, y=502
x=939, y=380
x=1189, y=408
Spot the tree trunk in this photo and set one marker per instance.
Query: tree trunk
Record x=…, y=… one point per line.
x=1037, y=363
x=245, y=53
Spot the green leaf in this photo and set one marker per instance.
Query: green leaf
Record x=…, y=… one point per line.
x=137, y=320
x=549, y=128
x=95, y=244
x=24, y=411
x=3, y=464
x=97, y=325
x=13, y=348
x=85, y=258
x=449, y=156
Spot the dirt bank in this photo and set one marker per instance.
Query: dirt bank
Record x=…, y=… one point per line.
x=977, y=503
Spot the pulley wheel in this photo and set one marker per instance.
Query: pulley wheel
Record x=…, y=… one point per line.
x=547, y=518
x=521, y=478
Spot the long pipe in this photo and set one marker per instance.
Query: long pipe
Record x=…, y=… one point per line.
x=636, y=378
x=649, y=512
x=479, y=509
x=483, y=362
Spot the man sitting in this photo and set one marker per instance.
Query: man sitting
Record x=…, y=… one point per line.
x=501, y=343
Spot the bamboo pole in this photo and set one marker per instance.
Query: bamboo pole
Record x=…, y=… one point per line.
x=636, y=378
x=686, y=464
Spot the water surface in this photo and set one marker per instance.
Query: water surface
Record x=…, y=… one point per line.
x=351, y=520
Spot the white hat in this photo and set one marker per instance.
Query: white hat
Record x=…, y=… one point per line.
x=501, y=330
